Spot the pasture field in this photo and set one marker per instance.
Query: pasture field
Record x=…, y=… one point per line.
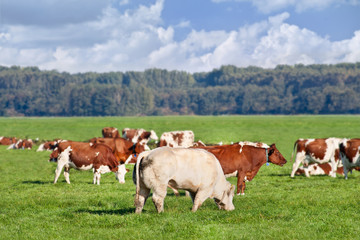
x=274, y=206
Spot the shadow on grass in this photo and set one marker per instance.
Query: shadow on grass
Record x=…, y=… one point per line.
x=37, y=182
x=279, y=174
x=108, y=212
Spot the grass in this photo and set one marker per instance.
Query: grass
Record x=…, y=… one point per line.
x=274, y=207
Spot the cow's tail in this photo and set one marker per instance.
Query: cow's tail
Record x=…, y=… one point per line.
x=294, y=149
x=136, y=174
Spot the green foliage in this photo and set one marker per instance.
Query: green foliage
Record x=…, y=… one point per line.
x=274, y=207
x=299, y=89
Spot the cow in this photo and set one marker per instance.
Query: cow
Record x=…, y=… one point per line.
x=139, y=136
x=318, y=169
x=350, y=154
x=194, y=170
x=21, y=144
x=244, y=159
x=47, y=146
x=86, y=156
x=110, y=132
x=320, y=150
x=7, y=140
x=177, y=139
x=122, y=148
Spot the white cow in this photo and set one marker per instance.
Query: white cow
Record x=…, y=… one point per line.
x=194, y=170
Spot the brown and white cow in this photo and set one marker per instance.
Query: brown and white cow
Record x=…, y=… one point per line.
x=110, y=132
x=7, y=140
x=48, y=145
x=122, y=148
x=86, y=156
x=194, y=170
x=139, y=136
x=244, y=160
x=318, y=169
x=177, y=139
x=320, y=150
x=21, y=144
x=350, y=154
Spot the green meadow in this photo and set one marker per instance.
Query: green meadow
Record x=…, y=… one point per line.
x=274, y=206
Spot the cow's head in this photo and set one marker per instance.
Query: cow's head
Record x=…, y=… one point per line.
x=226, y=202
x=54, y=155
x=120, y=173
x=275, y=156
x=153, y=135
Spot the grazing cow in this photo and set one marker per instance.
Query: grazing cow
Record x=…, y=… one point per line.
x=194, y=170
x=350, y=154
x=318, y=169
x=110, y=132
x=21, y=144
x=122, y=148
x=177, y=139
x=7, y=140
x=139, y=136
x=86, y=156
x=244, y=159
x=320, y=150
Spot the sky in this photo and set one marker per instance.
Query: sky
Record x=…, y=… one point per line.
x=186, y=35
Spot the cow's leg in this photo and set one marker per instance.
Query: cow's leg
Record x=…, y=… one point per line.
x=200, y=197
x=300, y=157
x=159, y=196
x=58, y=170
x=67, y=174
x=140, y=198
x=240, y=183
x=334, y=165
x=97, y=176
x=346, y=170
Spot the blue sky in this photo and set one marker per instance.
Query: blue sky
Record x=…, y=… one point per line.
x=190, y=35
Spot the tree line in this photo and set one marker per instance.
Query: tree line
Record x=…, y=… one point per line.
x=285, y=89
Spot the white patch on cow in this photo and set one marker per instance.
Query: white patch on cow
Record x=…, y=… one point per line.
x=91, y=144
x=103, y=169
x=1, y=138
x=234, y=174
x=97, y=154
x=40, y=148
x=254, y=144
x=153, y=135
x=220, y=143
x=128, y=159
x=114, y=130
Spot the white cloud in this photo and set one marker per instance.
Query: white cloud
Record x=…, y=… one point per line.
x=138, y=39
x=268, y=6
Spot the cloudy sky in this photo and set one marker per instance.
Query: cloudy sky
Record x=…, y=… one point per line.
x=191, y=35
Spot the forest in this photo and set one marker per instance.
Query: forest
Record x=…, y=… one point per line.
x=285, y=89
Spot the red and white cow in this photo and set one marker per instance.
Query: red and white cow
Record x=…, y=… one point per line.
x=21, y=144
x=195, y=170
x=350, y=154
x=244, y=159
x=86, y=156
x=122, y=148
x=318, y=169
x=7, y=140
x=320, y=150
x=110, y=132
x=177, y=139
x=139, y=136
x=48, y=146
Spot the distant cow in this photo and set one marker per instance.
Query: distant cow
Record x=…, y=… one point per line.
x=318, y=169
x=194, y=170
x=122, y=148
x=350, y=154
x=86, y=156
x=110, y=132
x=47, y=146
x=139, y=136
x=321, y=150
x=244, y=160
x=21, y=144
x=7, y=140
x=177, y=139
